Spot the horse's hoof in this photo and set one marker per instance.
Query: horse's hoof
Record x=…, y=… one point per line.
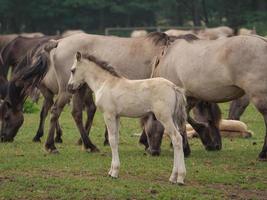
x=35, y=139
x=58, y=140
x=106, y=143
x=79, y=142
x=51, y=149
x=263, y=156
x=95, y=150
x=187, y=152
x=212, y=148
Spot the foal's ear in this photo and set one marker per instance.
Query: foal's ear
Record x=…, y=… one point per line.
x=78, y=56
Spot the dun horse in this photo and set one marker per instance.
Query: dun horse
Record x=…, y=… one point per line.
x=226, y=69
x=117, y=96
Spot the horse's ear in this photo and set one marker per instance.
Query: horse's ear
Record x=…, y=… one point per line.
x=78, y=56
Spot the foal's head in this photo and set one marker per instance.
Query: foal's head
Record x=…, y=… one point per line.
x=84, y=64
x=77, y=78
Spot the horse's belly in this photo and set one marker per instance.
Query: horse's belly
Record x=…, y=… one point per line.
x=216, y=94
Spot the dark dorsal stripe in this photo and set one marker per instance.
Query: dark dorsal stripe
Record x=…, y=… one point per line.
x=159, y=38
x=187, y=37
x=102, y=64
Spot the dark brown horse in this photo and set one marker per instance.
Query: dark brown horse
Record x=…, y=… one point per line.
x=17, y=49
x=18, y=89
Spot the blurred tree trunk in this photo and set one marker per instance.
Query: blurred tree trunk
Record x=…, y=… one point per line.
x=261, y=5
x=196, y=12
x=205, y=12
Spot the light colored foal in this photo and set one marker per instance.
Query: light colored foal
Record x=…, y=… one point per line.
x=117, y=96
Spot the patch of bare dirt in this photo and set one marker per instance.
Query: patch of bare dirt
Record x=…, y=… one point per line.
x=236, y=192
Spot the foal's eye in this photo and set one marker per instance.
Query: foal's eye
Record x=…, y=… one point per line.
x=73, y=70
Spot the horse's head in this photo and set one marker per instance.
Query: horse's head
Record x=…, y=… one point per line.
x=153, y=135
x=12, y=119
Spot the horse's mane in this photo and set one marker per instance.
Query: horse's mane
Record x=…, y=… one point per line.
x=159, y=38
x=102, y=64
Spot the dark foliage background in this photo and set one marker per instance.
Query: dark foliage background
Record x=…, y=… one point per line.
x=49, y=16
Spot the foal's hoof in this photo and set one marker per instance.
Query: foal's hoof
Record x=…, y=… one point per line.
x=58, y=140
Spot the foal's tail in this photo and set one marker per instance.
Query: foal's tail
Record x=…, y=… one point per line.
x=180, y=113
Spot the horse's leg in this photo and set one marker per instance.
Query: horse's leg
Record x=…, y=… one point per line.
x=58, y=138
x=77, y=113
x=90, y=110
x=47, y=104
x=57, y=108
x=86, y=99
x=178, y=171
x=261, y=105
x=112, y=123
x=237, y=107
x=106, y=141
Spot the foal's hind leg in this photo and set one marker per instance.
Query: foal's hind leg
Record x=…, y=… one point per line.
x=112, y=123
x=77, y=114
x=179, y=171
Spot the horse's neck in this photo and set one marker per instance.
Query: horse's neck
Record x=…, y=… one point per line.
x=96, y=78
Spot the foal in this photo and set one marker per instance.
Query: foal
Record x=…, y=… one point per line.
x=116, y=96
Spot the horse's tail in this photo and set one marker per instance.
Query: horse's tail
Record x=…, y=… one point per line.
x=180, y=113
x=34, y=67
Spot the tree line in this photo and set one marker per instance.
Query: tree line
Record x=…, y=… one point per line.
x=49, y=16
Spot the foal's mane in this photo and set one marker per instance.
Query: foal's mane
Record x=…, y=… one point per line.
x=102, y=64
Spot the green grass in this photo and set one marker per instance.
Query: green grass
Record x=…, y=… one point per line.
x=28, y=172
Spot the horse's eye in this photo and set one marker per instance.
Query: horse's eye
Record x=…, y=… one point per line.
x=73, y=70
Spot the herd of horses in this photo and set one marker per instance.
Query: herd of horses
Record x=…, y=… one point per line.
x=79, y=64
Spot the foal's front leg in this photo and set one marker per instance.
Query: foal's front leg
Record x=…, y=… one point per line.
x=112, y=123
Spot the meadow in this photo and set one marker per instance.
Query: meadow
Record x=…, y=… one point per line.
x=28, y=172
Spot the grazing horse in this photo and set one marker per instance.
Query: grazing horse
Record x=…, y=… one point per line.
x=18, y=89
x=226, y=70
x=117, y=96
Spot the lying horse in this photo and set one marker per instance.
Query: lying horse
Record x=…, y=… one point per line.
x=117, y=96
x=226, y=70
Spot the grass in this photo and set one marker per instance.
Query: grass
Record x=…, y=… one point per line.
x=28, y=172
